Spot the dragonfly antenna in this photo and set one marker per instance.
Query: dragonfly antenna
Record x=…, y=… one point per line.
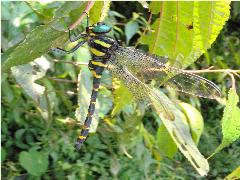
x=87, y=17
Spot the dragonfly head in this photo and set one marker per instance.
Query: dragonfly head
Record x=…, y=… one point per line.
x=99, y=28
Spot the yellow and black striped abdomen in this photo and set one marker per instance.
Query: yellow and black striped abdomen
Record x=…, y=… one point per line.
x=100, y=48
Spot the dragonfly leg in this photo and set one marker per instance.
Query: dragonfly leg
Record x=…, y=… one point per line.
x=73, y=49
x=76, y=36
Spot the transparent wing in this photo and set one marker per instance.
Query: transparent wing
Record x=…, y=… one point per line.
x=140, y=90
x=147, y=67
x=195, y=85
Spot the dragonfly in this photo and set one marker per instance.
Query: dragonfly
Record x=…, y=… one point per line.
x=136, y=69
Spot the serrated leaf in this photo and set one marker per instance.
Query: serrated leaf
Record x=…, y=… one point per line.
x=84, y=94
x=185, y=30
x=194, y=120
x=230, y=121
x=105, y=10
x=37, y=43
x=36, y=163
x=95, y=12
x=234, y=175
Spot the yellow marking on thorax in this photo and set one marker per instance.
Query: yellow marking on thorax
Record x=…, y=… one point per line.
x=102, y=43
x=93, y=102
x=97, y=63
x=81, y=137
x=97, y=52
x=96, y=75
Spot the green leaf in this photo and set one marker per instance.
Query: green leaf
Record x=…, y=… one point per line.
x=26, y=75
x=37, y=43
x=67, y=7
x=95, y=12
x=148, y=138
x=66, y=166
x=3, y=154
x=194, y=119
x=20, y=139
x=179, y=130
x=131, y=29
x=36, y=163
x=165, y=142
x=42, y=10
x=70, y=11
x=230, y=121
x=105, y=10
x=234, y=175
x=185, y=30
x=122, y=97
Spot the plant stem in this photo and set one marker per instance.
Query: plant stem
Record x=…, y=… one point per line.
x=79, y=20
x=70, y=62
x=213, y=71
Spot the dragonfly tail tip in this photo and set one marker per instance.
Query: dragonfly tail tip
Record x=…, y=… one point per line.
x=78, y=145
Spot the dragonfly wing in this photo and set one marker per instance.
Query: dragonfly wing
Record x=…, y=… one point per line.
x=140, y=90
x=180, y=80
x=147, y=68
x=169, y=114
x=195, y=85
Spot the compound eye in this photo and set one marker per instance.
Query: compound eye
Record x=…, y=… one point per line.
x=101, y=27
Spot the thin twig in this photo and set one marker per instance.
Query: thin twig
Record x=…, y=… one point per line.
x=70, y=62
x=79, y=20
x=211, y=67
x=233, y=80
x=212, y=71
x=70, y=93
x=236, y=74
x=63, y=80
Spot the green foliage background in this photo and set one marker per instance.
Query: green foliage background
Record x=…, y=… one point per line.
x=128, y=143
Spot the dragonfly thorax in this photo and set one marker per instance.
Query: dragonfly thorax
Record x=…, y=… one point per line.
x=101, y=46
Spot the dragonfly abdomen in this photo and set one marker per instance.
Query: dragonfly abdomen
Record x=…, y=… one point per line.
x=91, y=109
x=100, y=48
